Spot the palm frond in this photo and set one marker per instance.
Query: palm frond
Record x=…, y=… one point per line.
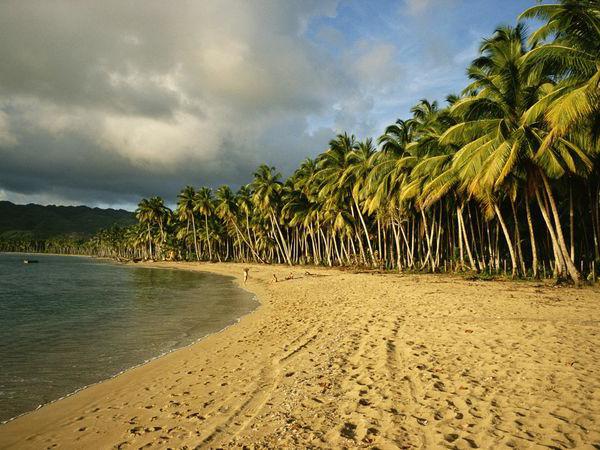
x=468, y=131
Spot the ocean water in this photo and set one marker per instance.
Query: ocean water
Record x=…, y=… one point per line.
x=68, y=322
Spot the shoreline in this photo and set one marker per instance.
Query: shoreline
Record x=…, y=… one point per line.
x=149, y=360
x=334, y=345
x=163, y=265
x=143, y=363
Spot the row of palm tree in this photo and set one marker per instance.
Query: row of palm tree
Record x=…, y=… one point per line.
x=67, y=245
x=501, y=178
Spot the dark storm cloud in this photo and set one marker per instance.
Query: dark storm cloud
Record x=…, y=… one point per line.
x=108, y=101
x=77, y=169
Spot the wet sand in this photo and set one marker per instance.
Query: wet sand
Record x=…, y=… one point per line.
x=342, y=360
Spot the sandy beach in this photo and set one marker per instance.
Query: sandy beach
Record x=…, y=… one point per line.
x=335, y=359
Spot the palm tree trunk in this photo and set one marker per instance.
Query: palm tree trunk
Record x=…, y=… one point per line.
x=150, y=241
x=573, y=272
x=316, y=255
x=429, y=242
x=344, y=252
x=361, y=247
x=571, y=223
x=337, y=251
x=594, y=210
x=558, y=256
x=362, y=220
x=352, y=246
x=327, y=249
x=497, y=247
x=475, y=256
x=241, y=235
x=460, y=238
x=379, y=251
x=386, y=247
x=532, y=239
x=511, y=249
x=412, y=240
x=463, y=231
x=439, y=238
x=253, y=242
x=397, y=242
x=207, y=237
x=519, y=249
x=319, y=237
x=409, y=251
x=482, y=263
x=195, y=238
x=283, y=242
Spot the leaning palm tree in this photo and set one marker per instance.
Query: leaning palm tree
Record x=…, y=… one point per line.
x=306, y=184
x=397, y=136
x=267, y=191
x=144, y=216
x=354, y=178
x=499, y=142
x=244, y=201
x=227, y=210
x=573, y=57
x=185, y=212
x=203, y=204
x=525, y=131
x=159, y=214
x=336, y=185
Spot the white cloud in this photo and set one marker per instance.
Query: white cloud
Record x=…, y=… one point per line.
x=147, y=139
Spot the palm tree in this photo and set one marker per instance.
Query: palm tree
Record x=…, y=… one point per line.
x=573, y=58
x=144, y=215
x=397, y=136
x=159, y=214
x=185, y=212
x=358, y=164
x=336, y=185
x=498, y=141
x=432, y=178
x=305, y=206
x=267, y=189
x=447, y=184
x=244, y=201
x=203, y=204
x=227, y=209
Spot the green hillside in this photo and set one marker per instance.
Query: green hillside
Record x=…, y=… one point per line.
x=43, y=222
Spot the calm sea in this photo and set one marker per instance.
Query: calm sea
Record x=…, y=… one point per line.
x=67, y=322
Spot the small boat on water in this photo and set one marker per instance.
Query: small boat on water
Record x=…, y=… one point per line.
x=30, y=261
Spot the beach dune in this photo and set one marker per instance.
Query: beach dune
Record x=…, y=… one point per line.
x=334, y=359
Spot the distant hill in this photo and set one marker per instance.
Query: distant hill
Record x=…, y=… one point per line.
x=42, y=222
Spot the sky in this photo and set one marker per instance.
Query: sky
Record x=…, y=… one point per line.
x=105, y=102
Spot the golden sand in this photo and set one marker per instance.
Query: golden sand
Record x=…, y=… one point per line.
x=335, y=359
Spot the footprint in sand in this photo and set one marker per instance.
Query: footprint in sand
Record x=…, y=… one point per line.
x=348, y=431
x=451, y=437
